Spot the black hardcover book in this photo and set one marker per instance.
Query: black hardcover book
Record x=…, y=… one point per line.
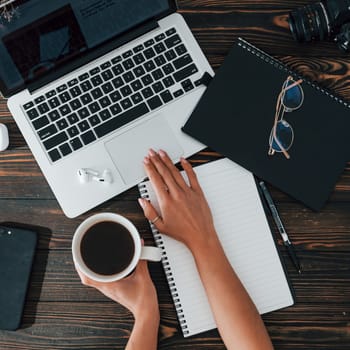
x=236, y=116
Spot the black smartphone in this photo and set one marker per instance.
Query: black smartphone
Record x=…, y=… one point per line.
x=17, y=250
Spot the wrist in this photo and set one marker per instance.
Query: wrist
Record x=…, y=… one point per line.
x=205, y=247
x=147, y=315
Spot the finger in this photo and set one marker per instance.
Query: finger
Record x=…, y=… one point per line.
x=164, y=172
x=84, y=279
x=173, y=170
x=192, y=177
x=157, y=181
x=151, y=214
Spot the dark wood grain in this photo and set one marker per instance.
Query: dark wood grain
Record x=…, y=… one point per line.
x=60, y=313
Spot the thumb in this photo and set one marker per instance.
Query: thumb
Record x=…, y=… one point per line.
x=151, y=214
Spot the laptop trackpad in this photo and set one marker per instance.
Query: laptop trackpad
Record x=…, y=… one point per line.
x=129, y=149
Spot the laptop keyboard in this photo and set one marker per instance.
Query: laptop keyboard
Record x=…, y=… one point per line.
x=113, y=94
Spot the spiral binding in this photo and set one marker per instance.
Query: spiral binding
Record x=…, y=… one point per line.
x=280, y=65
x=167, y=269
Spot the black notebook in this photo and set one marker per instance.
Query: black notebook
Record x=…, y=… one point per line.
x=236, y=115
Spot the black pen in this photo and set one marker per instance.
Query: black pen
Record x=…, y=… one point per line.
x=280, y=226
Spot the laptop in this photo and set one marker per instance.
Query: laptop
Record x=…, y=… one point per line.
x=93, y=85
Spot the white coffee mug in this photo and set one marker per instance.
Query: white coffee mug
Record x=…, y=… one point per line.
x=140, y=252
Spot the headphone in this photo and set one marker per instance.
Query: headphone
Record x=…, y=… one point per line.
x=86, y=175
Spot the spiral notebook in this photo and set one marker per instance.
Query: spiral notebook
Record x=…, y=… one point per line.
x=243, y=96
x=246, y=238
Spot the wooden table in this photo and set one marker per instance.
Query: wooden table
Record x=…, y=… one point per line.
x=60, y=313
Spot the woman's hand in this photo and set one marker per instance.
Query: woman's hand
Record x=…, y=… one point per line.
x=184, y=211
x=136, y=292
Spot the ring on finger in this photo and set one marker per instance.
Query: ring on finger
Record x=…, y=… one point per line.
x=155, y=220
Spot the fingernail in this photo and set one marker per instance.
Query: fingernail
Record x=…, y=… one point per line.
x=146, y=160
x=142, y=203
x=184, y=160
x=152, y=153
x=162, y=153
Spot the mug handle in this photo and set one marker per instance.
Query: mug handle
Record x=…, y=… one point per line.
x=151, y=253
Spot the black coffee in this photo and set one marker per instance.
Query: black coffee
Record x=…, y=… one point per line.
x=107, y=248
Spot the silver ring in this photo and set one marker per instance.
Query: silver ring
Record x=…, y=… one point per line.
x=155, y=220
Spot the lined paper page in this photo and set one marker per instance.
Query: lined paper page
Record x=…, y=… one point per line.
x=243, y=230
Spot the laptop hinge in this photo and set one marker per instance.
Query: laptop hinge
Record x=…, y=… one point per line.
x=96, y=53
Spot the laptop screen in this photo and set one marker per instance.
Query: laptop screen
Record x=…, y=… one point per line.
x=37, y=36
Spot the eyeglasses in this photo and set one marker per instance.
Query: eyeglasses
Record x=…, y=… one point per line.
x=290, y=99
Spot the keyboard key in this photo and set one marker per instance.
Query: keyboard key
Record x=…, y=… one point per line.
x=127, y=54
x=147, y=80
x=170, y=32
x=136, y=98
x=64, y=110
x=40, y=122
x=149, y=53
x=76, y=143
x=183, y=61
x=128, y=64
x=83, y=76
x=106, y=65
x=47, y=132
x=149, y=66
x=83, y=126
x=55, y=140
x=117, y=59
x=198, y=82
x=107, y=88
x=96, y=80
x=157, y=74
x=94, y=120
x=73, y=131
x=128, y=77
x=148, y=92
x=158, y=87
x=86, y=86
x=160, y=37
x=166, y=96
x=73, y=118
x=54, y=102
x=54, y=115
x=65, y=97
x=159, y=48
x=118, y=82
x=39, y=99
x=126, y=91
x=170, y=55
x=149, y=43
x=94, y=71
x=115, y=96
x=50, y=94
x=105, y=114
x=168, y=69
x=107, y=75
x=138, y=48
x=62, y=88
x=86, y=99
x=116, y=109
x=73, y=82
x=96, y=93
x=65, y=149
x=55, y=155
x=83, y=113
x=122, y=119
x=154, y=102
x=172, y=41
x=32, y=114
x=62, y=124
x=178, y=93
x=75, y=104
x=187, y=85
x=75, y=91
x=88, y=137
x=43, y=108
x=139, y=71
x=126, y=103
x=94, y=107
x=117, y=70
x=28, y=105
x=168, y=81
x=185, y=73
x=139, y=58
x=160, y=60
x=105, y=102
x=136, y=85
